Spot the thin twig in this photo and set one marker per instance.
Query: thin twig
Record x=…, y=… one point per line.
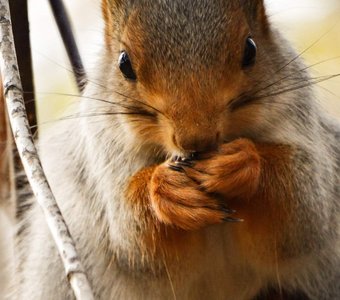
x=65, y=29
x=18, y=118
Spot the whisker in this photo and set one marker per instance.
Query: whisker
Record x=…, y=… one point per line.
x=169, y=278
x=310, y=82
x=263, y=80
x=134, y=99
x=251, y=98
x=95, y=114
x=290, y=75
x=104, y=87
x=98, y=114
x=102, y=100
x=53, y=61
x=87, y=98
x=330, y=92
x=306, y=49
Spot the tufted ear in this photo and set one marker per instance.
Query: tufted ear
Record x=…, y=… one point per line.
x=256, y=13
x=114, y=13
x=108, y=19
x=111, y=10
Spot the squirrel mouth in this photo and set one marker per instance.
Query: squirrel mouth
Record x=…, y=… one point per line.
x=185, y=158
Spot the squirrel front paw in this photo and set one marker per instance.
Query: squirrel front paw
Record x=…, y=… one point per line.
x=232, y=172
x=177, y=200
x=191, y=195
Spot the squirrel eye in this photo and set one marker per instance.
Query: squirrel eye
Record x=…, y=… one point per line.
x=250, y=52
x=125, y=66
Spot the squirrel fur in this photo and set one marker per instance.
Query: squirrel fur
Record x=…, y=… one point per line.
x=267, y=150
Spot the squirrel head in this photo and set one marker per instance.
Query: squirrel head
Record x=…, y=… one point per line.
x=187, y=59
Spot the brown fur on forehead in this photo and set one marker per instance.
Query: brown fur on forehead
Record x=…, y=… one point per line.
x=256, y=14
x=252, y=7
x=186, y=37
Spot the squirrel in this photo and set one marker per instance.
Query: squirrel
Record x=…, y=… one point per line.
x=198, y=164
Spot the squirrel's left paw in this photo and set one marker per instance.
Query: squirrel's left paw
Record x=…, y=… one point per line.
x=233, y=171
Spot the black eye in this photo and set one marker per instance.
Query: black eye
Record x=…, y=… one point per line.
x=250, y=51
x=126, y=67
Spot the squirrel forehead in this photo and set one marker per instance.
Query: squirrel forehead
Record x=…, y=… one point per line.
x=184, y=31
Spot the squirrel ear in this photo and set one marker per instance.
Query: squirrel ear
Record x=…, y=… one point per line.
x=256, y=13
x=108, y=11
x=105, y=9
x=112, y=10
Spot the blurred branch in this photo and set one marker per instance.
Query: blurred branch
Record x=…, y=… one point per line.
x=21, y=32
x=65, y=29
x=20, y=127
x=20, y=26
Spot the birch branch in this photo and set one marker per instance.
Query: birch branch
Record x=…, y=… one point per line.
x=7, y=186
x=30, y=159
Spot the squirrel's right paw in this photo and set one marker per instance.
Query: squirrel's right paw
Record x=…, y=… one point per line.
x=178, y=201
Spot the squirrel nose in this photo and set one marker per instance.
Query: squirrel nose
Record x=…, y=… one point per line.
x=198, y=143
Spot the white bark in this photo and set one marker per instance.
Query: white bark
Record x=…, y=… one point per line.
x=30, y=159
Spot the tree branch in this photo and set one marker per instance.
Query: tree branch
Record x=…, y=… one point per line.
x=30, y=159
x=7, y=189
x=20, y=25
x=65, y=29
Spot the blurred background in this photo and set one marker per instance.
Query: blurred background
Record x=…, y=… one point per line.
x=303, y=22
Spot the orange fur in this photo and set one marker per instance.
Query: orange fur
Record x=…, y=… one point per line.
x=232, y=171
x=267, y=212
x=241, y=175
x=108, y=19
x=250, y=179
x=244, y=175
x=163, y=233
x=248, y=176
x=201, y=129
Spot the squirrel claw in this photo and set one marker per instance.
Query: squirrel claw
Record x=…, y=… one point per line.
x=232, y=220
x=226, y=209
x=176, y=168
x=184, y=163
